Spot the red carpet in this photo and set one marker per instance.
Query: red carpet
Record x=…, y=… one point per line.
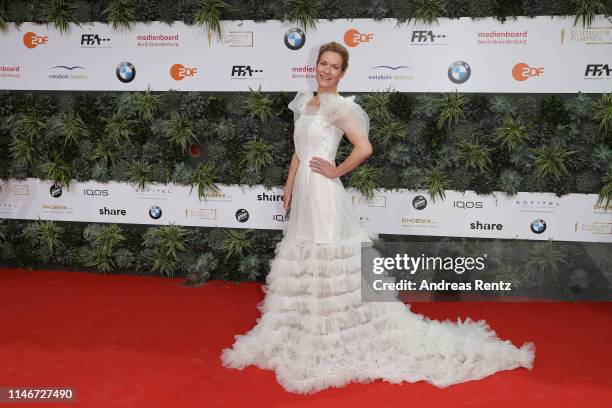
x=134, y=341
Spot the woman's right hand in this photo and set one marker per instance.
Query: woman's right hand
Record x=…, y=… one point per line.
x=287, y=197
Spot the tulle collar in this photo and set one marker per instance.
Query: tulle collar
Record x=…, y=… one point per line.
x=327, y=101
x=329, y=95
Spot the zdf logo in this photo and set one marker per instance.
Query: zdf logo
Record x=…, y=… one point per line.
x=31, y=40
x=178, y=72
x=522, y=71
x=353, y=38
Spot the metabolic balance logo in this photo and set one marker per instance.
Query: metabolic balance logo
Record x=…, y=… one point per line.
x=295, y=38
x=178, y=72
x=522, y=71
x=353, y=38
x=392, y=73
x=126, y=72
x=31, y=40
x=67, y=72
x=459, y=72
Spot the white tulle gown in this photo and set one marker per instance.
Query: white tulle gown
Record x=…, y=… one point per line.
x=315, y=331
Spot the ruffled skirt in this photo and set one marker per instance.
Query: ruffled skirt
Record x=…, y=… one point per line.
x=315, y=332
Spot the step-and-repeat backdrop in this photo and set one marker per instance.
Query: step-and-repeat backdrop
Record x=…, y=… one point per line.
x=541, y=54
x=533, y=216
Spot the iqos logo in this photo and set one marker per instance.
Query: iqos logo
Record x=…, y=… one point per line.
x=467, y=204
x=95, y=192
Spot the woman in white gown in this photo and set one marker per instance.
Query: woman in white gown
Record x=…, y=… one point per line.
x=315, y=331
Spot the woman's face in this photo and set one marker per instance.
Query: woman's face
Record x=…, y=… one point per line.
x=329, y=69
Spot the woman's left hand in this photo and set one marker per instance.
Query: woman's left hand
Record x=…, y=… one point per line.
x=322, y=166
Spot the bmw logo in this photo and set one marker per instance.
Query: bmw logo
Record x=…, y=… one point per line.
x=295, y=38
x=459, y=72
x=242, y=215
x=419, y=202
x=55, y=190
x=538, y=226
x=155, y=212
x=126, y=72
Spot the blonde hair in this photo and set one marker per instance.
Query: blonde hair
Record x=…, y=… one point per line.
x=337, y=48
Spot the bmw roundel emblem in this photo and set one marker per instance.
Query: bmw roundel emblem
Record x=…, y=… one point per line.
x=155, y=212
x=459, y=72
x=126, y=72
x=295, y=38
x=538, y=226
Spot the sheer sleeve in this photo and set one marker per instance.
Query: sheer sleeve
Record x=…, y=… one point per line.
x=347, y=115
x=298, y=102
